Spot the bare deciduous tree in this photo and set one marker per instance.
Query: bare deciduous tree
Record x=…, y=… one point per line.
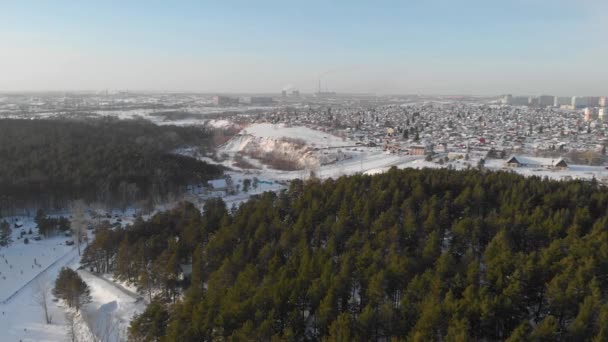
x=79, y=222
x=41, y=295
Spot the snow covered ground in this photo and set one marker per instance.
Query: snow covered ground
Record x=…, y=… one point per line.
x=20, y=262
x=267, y=136
x=22, y=317
x=322, y=153
x=573, y=172
x=266, y=144
x=361, y=161
x=113, y=305
x=310, y=136
x=196, y=110
x=111, y=308
x=584, y=172
x=24, y=267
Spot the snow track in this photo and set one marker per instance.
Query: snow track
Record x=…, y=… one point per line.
x=111, y=309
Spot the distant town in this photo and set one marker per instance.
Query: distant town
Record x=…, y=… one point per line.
x=444, y=130
x=541, y=125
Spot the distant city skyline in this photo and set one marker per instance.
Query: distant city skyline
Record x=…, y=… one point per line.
x=385, y=47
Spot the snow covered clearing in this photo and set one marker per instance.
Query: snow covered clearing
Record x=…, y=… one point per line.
x=203, y=111
x=22, y=318
x=358, y=162
x=27, y=270
x=573, y=172
x=20, y=262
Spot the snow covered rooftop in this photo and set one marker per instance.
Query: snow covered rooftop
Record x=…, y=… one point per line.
x=536, y=161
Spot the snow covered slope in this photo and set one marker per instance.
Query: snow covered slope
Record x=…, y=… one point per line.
x=310, y=136
x=301, y=145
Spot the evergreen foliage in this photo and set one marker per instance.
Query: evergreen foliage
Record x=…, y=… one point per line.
x=48, y=226
x=71, y=288
x=47, y=162
x=416, y=255
x=150, y=325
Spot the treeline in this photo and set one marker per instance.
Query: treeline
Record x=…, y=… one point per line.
x=151, y=253
x=416, y=255
x=47, y=162
x=48, y=226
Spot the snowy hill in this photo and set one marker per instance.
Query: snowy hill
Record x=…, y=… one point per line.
x=310, y=136
x=302, y=146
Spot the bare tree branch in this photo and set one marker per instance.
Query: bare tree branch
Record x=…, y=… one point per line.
x=41, y=296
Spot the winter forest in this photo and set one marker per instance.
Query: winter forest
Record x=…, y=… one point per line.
x=407, y=255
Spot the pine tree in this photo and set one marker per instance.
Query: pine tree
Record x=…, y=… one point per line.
x=147, y=282
x=197, y=267
x=340, y=329
x=149, y=325
x=123, y=261
x=407, y=255
x=72, y=289
x=246, y=184
x=546, y=330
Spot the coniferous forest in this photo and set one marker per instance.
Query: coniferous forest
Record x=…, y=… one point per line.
x=409, y=255
x=46, y=162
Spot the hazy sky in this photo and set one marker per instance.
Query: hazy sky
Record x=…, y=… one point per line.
x=409, y=46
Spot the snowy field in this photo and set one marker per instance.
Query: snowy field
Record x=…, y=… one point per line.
x=22, y=317
x=146, y=113
x=573, y=172
x=28, y=269
x=584, y=172
x=20, y=262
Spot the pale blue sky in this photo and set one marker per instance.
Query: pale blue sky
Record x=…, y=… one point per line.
x=447, y=47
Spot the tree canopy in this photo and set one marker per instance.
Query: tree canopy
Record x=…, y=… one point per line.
x=48, y=162
x=414, y=255
x=72, y=289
